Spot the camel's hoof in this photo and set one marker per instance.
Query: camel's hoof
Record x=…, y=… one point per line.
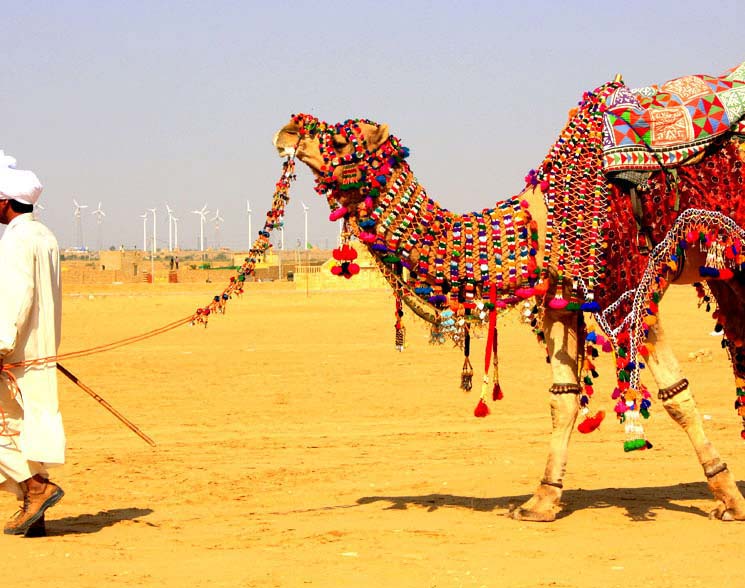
x=722, y=513
x=533, y=516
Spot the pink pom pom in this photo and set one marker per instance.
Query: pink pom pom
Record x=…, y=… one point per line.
x=607, y=347
x=557, y=303
x=525, y=292
x=620, y=408
x=544, y=185
x=338, y=213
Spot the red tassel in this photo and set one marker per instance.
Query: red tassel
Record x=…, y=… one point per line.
x=496, y=393
x=591, y=423
x=481, y=410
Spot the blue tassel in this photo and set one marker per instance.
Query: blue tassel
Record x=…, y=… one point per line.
x=708, y=272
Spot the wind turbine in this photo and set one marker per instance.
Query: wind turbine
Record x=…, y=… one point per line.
x=155, y=229
x=175, y=232
x=217, y=219
x=143, y=216
x=250, y=232
x=202, y=212
x=152, y=251
x=306, y=208
x=79, y=223
x=169, y=210
x=99, y=214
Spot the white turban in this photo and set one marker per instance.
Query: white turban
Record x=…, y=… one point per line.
x=17, y=184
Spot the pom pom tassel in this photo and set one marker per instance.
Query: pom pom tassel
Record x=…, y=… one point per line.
x=481, y=409
x=591, y=423
x=466, y=375
x=400, y=329
x=400, y=337
x=635, y=438
x=492, y=346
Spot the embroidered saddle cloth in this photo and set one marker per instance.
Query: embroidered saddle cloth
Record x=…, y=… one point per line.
x=653, y=127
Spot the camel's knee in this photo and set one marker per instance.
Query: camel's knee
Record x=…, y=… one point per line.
x=680, y=404
x=564, y=404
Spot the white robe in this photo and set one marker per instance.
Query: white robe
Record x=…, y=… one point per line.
x=30, y=327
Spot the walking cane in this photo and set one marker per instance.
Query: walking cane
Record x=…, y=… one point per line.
x=132, y=427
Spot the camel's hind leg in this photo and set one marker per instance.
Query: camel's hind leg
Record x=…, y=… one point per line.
x=561, y=336
x=680, y=405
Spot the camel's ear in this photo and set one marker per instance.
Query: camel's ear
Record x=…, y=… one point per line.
x=378, y=136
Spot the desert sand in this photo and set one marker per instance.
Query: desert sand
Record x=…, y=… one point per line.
x=297, y=447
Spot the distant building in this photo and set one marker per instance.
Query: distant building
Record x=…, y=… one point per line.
x=128, y=262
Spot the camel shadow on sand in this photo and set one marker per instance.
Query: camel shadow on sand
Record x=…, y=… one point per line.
x=93, y=523
x=639, y=504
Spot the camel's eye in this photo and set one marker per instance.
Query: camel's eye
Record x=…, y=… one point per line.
x=340, y=140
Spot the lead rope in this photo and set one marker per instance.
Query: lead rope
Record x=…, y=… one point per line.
x=273, y=220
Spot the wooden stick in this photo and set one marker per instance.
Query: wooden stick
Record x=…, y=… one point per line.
x=132, y=427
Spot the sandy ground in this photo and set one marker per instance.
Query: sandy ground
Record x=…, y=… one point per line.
x=296, y=447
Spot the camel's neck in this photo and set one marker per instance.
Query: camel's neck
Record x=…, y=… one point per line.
x=447, y=259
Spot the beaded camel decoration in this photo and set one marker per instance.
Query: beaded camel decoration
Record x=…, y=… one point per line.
x=579, y=246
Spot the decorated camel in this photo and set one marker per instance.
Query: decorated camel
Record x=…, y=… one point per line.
x=642, y=189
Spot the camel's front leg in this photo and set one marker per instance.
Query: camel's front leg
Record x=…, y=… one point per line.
x=561, y=336
x=680, y=405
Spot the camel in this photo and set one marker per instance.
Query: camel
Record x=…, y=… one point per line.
x=543, y=248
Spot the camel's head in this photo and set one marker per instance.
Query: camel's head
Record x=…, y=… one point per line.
x=349, y=159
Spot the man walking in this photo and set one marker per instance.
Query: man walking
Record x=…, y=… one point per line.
x=32, y=437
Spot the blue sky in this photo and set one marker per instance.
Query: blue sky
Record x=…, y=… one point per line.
x=141, y=103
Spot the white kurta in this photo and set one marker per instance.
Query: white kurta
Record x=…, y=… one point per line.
x=30, y=327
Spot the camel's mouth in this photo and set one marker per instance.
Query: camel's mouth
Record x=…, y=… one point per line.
x=286, y=151
x=283, y=150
